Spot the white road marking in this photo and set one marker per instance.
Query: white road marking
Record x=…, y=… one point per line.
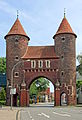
x=62, y=114
x=39, y=114
x=65, y=112
x=44, y=115
x=30, y=115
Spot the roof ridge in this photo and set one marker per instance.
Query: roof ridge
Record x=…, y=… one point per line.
x=42, y=46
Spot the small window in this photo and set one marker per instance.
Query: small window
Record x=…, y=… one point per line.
x=16, y=58
x=62, y=57
x=33, y=64
x=16, y=41
x=63, y=39
x=47, y=63
x=16, y=74
x=62, y=73
x=40, y=63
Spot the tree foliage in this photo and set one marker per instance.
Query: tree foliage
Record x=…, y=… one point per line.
x=79, y=83
x=2, y=94
x=39, y=85
x=79, y=67
x=2, y=65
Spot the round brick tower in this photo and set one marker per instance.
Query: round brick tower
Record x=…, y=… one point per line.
x=16, y=45
x=65, y=40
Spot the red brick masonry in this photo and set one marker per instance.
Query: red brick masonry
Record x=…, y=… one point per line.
x=62, y=57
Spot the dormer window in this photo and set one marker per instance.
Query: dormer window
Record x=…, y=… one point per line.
x=40, y=63
x=47, y=63
x=33, y=63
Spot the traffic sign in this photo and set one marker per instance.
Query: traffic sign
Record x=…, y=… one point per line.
x=12, y=91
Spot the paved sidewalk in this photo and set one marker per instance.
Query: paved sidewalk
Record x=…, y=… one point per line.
x=7, y=114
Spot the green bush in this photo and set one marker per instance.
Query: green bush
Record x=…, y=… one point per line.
x=2, y=102
x=31, y=102
x=2, y=94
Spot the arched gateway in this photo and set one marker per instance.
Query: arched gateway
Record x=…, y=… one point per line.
x=26, y=63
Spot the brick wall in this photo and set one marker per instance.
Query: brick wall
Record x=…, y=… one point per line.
x=65, y=48
x=15, y=46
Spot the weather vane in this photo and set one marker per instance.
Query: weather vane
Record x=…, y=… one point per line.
x=17, y=13
x=64, y=12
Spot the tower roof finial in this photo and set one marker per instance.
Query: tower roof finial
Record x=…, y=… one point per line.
x=17, y=13
x=64, y=12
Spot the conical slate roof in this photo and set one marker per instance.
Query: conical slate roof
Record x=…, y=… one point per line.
x=17, y=29
x=64, y=28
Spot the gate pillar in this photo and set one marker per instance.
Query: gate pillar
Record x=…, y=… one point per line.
x=57, y=97
x=27, y=96
x=23, y=95
x=57, y=94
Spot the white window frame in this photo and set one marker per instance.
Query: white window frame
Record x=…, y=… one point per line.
x=33, y=63
x=47, y=63
x=40, y=63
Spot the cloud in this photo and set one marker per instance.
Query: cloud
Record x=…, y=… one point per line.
x=4, y=6
x=9, y=9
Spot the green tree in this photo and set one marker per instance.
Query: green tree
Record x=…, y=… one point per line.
x=79, y=67
x=2, y=65
x=79, y=83
x=33, y=89
x=39, y=85
x=2, y=94
x=42, y=84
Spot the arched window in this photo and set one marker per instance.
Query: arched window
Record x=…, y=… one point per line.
x=33, y=63
x=47, y=63
x=40, y=63
x=63, y=99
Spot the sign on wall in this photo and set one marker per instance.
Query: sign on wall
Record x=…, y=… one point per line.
x=12, y=91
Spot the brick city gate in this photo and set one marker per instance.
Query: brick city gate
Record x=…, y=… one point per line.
x=29, y=73
x=32, y=74
x=56, y=62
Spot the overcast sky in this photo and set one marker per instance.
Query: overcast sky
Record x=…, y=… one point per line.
x=40, y=19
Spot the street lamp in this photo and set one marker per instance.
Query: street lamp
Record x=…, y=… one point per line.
x=12, y=87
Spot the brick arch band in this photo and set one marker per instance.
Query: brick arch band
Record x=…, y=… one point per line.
x=28, y=84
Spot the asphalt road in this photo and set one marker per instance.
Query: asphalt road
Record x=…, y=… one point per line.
x=51, y=113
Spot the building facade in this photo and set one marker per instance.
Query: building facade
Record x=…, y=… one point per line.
x=26, y=63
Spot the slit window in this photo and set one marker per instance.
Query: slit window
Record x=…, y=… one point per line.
x=62, y=73
x=62, y=57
